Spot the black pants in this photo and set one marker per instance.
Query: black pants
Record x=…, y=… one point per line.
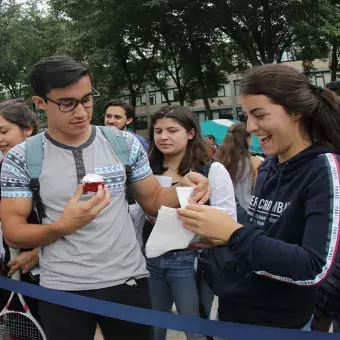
x=61, y=323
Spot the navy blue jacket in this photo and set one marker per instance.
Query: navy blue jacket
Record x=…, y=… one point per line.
x=288, y=246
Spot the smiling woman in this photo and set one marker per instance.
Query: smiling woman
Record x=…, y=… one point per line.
x=17, y=123
x=288, y=244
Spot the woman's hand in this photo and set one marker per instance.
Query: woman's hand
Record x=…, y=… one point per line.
x=25, y=262
x=201, y=192
x=208, y=222
x=206, y=243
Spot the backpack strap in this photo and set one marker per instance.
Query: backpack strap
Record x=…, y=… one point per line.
x=119, y=145
x=34, y=160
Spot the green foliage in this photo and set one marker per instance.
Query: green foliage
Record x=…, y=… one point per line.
x=193, y=45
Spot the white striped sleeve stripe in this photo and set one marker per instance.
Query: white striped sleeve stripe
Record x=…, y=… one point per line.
x=334, y=235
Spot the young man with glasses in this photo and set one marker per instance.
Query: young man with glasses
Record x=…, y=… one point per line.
x=88, y=242
x=121, y=115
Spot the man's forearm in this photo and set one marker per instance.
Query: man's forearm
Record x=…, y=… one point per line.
x=166, y=197
x=32, y=235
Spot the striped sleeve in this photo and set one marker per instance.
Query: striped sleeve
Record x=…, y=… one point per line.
x=308, y=263
x=138, y=159
x=15, y=179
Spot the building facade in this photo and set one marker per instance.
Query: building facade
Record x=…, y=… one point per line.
x=226, y=105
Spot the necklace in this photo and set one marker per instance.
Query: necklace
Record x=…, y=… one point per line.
x=174, y=170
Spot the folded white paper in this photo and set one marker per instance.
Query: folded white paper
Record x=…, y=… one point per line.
x=164, y=181
x=184, y=194
x=167, y=234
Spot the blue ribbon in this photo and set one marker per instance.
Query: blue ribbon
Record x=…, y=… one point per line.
x=154, y=318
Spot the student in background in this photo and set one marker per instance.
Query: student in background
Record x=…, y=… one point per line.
x=176, y=148
x=212, y=145
x=234, y=154
x=121, y=115
x=17, y=123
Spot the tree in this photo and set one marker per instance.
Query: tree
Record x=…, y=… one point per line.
x=263, y=29
x=187, y=45
x=25, y=38
x=107, y=37
x=320, y=39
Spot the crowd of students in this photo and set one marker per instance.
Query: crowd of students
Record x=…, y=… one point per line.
x=276, y=221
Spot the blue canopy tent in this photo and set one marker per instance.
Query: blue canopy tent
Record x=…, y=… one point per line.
x=220, y=127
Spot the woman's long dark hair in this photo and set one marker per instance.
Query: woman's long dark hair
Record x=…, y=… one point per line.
x=285, y=86
x=233, y=152
x=18, y=112
x=196, y=153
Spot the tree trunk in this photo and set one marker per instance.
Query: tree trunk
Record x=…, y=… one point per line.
x=133, y=103
x=334, y=62
x=207, y=105
x=181, y=95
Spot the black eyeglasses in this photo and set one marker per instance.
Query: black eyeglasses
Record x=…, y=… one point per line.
x=69, y=104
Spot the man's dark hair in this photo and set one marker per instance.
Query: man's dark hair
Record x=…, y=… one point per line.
x=129, y=111
x=334, y=86
x=211, y=137
x=55, y=72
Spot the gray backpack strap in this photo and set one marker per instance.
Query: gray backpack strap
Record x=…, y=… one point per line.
x=34, y=160
x=119, y=145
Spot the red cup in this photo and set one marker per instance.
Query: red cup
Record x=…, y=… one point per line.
x=92, y=187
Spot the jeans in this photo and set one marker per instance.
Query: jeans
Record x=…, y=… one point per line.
x=206, y=297
x=62, y=323
x=173, y=280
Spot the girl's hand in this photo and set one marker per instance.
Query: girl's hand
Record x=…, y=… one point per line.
x=208, y=222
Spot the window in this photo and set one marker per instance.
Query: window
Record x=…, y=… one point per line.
x=227, y=89
x=319, y=80
x=216, y=114
x=143, y=99
x=237, y=87
x=226, y=114
x=176, y=96
x=139, y=101
x=126, y=99
x=170, y=96
x=327, y=76
x=212, y=94
x=152, y=98
x=141, y=122
x=201, y=116
x=221, y=92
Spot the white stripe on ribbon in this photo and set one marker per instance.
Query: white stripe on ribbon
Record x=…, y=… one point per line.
x=334, y=240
